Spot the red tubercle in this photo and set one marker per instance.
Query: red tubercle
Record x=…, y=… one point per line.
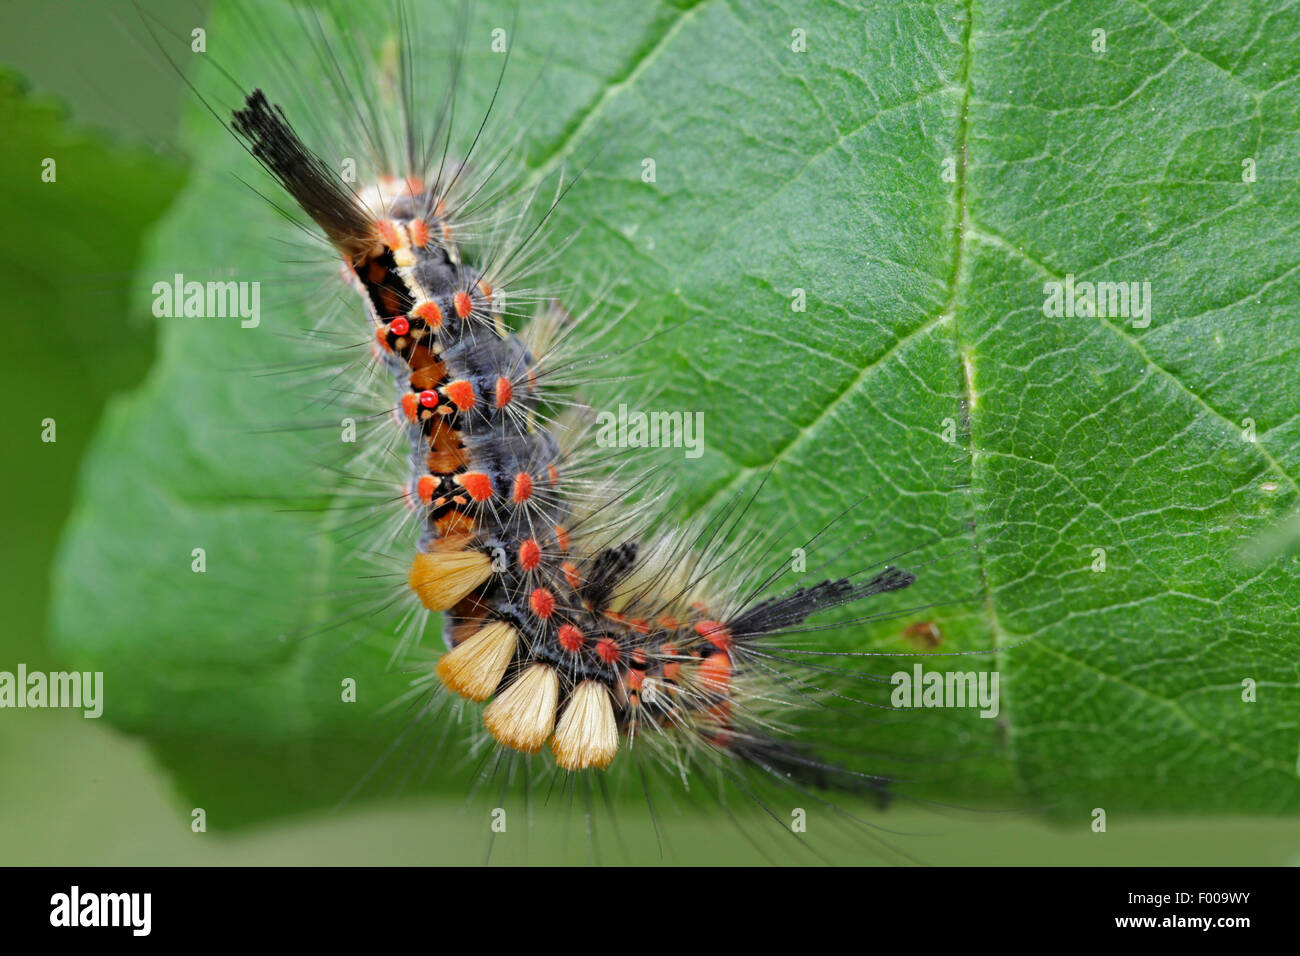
x=505, y=392
x=607, y=650
x=561, y=537
x=477, y=484
x=542, y=602
x=429, y=398
x=571, y=638
x=425, y=487
x=399, y=326
x=571, y=574
x=461, y=393
x=381, y=335
x=411, y=406
x=530, y=555
x=523, y=489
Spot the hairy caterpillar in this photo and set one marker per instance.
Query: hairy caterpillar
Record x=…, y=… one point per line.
x=579, y=624
x=573, y=642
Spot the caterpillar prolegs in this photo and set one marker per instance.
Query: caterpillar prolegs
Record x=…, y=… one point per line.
x=566, y=638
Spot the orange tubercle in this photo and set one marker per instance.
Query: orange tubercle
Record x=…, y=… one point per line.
x=463, y=303
x=715, y=633
x=429, y=312
x=542, y=602
x=477, y=484
x=530, y=555
x=571, y=638
x=523, y=489
x=505, y=392
x=390, y=233
x=715, y=672
x=419, y=233
x=461, y=393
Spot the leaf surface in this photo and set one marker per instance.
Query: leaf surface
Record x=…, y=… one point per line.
x=914, y=179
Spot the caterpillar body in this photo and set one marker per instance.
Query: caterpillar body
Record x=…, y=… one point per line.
x=569, y=640
x=589, y=636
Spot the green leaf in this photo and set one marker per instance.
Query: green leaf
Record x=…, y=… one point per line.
x=921, y=173
x=76, y=208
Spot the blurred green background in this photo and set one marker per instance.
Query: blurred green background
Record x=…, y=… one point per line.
x=79, y=87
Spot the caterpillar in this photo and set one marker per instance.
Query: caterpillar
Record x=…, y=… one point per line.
x=568, y=641
x=577, y=619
